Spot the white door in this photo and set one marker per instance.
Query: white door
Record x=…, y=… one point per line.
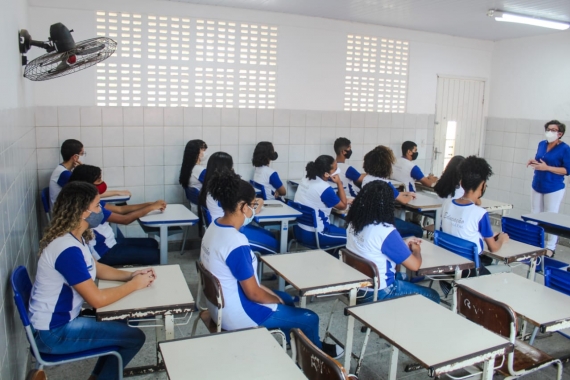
x=458, y=120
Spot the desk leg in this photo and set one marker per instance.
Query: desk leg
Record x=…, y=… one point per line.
x=283, y=248
x=488, y=369
x=454, y=297
x=532, y=269
x=349, y=332
x=393, y=363
x=159, y=330
x=437, y=219
x=303, y=302
x=163, y=245
x=169, y=326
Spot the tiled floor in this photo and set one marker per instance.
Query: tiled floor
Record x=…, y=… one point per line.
x=375, y=366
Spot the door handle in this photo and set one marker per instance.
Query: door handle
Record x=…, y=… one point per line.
x=436, y=152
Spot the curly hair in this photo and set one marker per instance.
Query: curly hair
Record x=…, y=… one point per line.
x=374, y=204
x=340, y=144
x=217, y=162
x=71, y=202
x=191, y=154
x=474, y=170
x=85, y=173
x=319, y=167
x=378, y=162
x=229, y=189
x=450, y=178
x=561, y=126
x=263, y=153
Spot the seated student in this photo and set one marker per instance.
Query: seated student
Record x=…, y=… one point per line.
x=192, y=173
x=119, y=251
x=372, y=235
x=405, y=171
x=263, y=154
x=65, y=279
x=226, y=254
x=350, y=177
x=315, y=192
x=378, y=167
x=449, y=185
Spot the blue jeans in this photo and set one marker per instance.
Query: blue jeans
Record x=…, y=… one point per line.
x=407, y=229
x=397, y=289
x=331, y=236
x=84, y=333
x=288, y=316
x=132, y=251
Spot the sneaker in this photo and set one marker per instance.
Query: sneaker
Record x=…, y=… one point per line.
x=333, y=350
x=36, y=374
x=445, y=287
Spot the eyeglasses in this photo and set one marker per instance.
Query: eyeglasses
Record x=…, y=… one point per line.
x=82, y=155
x=254, y=205
x=552, y=130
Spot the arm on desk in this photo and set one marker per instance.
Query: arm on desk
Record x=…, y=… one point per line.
x=256, y=293
x=129, y=213
x=112, y=193
x=405, y=197
x=429, y=181
x=414, y=261
x=495, y=245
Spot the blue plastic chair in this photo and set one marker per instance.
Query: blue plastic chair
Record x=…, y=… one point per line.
x=458, y=246
x=22, y=287
x=260, y=189
x=45, y=202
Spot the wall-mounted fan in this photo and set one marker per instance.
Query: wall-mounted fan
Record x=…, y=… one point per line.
x=64, y=56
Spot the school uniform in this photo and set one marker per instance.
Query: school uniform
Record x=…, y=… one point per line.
x=59, y=178
x=269, y=179
x=197, y=176
x=407, y=172
x=459, y=192
x=466, y=221
x=349, y=175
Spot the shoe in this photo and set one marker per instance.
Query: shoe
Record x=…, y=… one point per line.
x=333, y=350
x=36, y=374
x=445, y=287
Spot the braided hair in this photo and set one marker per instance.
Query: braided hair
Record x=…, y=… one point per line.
x=229, y=189
x=450, y=178
x=191, y=155
x=378, y=162
x=474, y=170
x=319, y=167
x=374, y=204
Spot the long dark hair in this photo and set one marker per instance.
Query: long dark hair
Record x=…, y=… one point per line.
x=374, y=204
x=191, y=154
x=216, y=163
x=319, y=167
x=450, y=178
x=229, y=189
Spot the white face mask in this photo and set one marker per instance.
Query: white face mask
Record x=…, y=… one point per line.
x=337, y=171
x=551, y=136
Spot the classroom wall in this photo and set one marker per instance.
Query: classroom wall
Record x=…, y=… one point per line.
x=18, y=186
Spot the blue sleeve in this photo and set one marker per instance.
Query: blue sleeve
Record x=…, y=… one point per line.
x=566, y=160
x=239, y=262
x=329, y=197
x=106, y=214
x=352, y=174
x=417, y=173
x=275, y=181
x=395, y=248
x=485, y=226
x=396, y=192
x=202, y=176
x=71, y=264
x=63, y=178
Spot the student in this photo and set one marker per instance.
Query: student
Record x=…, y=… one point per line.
x=405, y=171
x=263, y=154
x=371, y=234
x=378, y=167
x=65, y=280
x=192, y=173
x=350, y=177
x=226, y=254
x=107, y=248
x=315, y=192
x=449, y=186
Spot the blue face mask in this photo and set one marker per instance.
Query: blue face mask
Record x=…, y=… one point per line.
x=94, y=219
x=247, y=220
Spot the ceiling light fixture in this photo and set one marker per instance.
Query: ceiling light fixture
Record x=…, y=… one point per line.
x=521, y=19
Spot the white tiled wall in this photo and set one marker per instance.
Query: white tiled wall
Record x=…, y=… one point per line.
x=509, y=144
x=18, y=227
x=141, y=148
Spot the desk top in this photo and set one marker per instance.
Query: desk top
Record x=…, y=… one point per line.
x=424, y=200
x=514, y=250
x=174, y=214
x=462, y=340
x=239, y=355
x=169, y=292
x=491, y=205
x=550, y=219
x=540, y=305
x=311, y=271
x=116, y=198
x=282, y=211
x=437, y=260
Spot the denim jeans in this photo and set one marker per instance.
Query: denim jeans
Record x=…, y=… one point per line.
x=85, y=333
x=288, y=316
x=407, y=229
x=397, y=289
x=132, y=251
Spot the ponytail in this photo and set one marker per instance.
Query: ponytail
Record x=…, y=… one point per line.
x=319, y=167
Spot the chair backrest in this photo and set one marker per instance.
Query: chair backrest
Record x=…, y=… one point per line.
x=260, y=187
x=458, y=246
x=22, y=287
x=522, y=231
x=309, y=217
x=45, y=199
x=192, y=194
x=314, y=363
x=210, y=286
x=557, y=279
x=484, y=311
x=206, y=216
x=362, y=265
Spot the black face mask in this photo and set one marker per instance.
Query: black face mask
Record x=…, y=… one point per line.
x=274, y=156
x=414, y=156
x=348, y=153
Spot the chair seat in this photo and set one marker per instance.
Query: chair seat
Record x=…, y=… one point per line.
x=526, y=357
x=53, y=358
x=208, y=321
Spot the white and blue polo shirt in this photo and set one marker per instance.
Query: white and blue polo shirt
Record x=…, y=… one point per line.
x=104, y=236
x=197, y=176
x=349, y=175
x=320, y=196
x=466, y=221
x=547, y=182
x=226, y=254
x=59, y=177
x=214, y=207
x=381, y=244
x=269, y=179
x=407, y=172
x=369, y=178
x=65, y=262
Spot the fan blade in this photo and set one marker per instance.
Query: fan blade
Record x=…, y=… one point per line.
x=84, y=50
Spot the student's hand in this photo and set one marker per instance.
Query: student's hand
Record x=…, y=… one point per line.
x=259, y=202
x=539, y=165
x=77, y=163
x=413, y=240
x=144, y=271
x=159, y=205
x=142, y=281
x=349, y=201
x=409, y=194
x=531, y=162
x=503, y=238
x=336, y=179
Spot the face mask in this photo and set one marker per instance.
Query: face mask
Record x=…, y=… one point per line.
x=102, y=187
x=337, y=171
x=82, y=158
x=348, y=153
x=274, y=156
x=247, y=220
x=414, y=156
x=551, y=136
x=94, y=219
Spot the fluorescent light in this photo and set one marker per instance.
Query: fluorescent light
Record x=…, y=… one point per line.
x=520, y=19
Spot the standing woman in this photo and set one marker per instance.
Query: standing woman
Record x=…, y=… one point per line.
x=263, y=154
x=551, y=163
x=65, y=279
x=192, y=173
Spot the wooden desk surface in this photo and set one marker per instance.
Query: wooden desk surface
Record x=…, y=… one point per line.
x=491, y=205
x=513, y=251
x=169, y=292
x=282, y=211
x=437, y=260
x=550, y=218
x=463, y=340
x=175, y=214
x=251, y=354
x=424, y=200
